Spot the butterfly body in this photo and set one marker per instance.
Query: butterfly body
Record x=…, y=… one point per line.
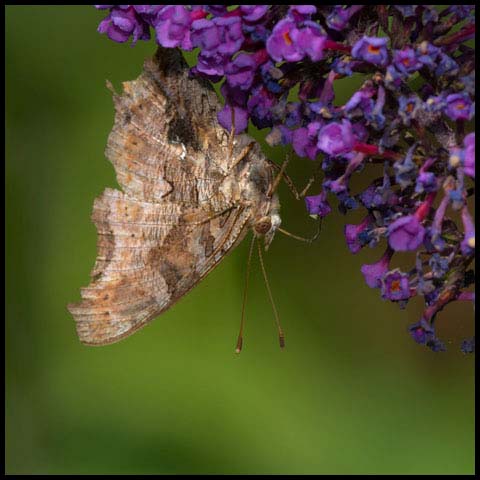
x=185, y=203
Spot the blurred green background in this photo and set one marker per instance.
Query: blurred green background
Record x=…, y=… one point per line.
x=351, y=393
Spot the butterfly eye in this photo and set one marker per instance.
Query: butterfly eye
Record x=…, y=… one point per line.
x=263, y=225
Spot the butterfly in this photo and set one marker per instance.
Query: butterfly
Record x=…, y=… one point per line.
x=190, y=195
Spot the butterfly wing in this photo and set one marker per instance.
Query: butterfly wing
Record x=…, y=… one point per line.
x=172, y=224
x=166, y=141
x=148, y=258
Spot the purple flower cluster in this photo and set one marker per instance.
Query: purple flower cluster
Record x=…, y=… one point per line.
x=413, y=115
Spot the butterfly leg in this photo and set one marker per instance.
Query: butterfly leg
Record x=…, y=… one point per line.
x=245, y=151
x=288, y=181
x=298, y=195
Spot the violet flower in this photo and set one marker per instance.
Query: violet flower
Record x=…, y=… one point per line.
x=374, y=272
x=253, y=13
x=123, y=23
x=458, y=107
x=173, y=27
x=407, y=233
x=352, y=233
x=395, y=286
x=280, y=44
x=336, y=138
x=304, y=140
x=406, y=60
x=371, y=49
x=317, y=205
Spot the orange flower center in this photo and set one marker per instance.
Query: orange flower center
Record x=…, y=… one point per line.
x=460, y=106
x=373, y=49
x=287, y=38
x=395, y=286
x=406, y=62
x=410, y=107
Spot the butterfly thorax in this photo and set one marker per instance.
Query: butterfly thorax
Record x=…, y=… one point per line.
x=252, y=183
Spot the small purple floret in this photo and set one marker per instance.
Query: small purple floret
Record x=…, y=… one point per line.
x=336, y=138
x=318, y=204
x=374, y=272
x=406, y=60
x=371, y=49
x=123, y=23
x=241, y=118
x=458, y=106
x=395, y=286
x=173, y=27
x=406, y=233
x=352, y=233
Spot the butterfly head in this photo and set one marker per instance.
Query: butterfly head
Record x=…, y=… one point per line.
x=266, y=226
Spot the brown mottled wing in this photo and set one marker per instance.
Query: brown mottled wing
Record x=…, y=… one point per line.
x=172, y=225
x=147, y=259
x=166, y=141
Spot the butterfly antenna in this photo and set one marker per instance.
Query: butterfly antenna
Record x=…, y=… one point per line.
x=247, y=276
x=281, y=335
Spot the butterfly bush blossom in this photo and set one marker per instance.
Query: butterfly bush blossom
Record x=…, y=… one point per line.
x=412, y=118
